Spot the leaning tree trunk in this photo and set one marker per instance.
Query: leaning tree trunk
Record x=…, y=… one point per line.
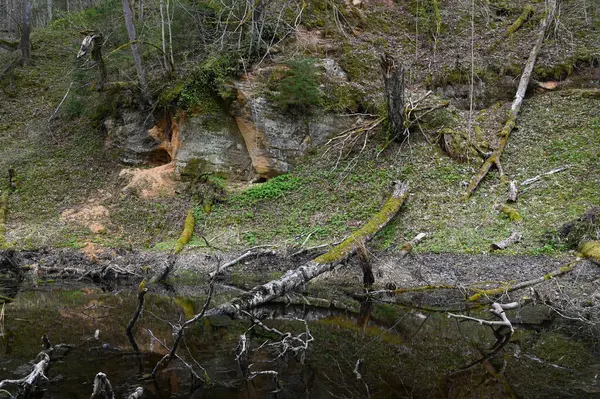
x=137, y=57
x=494, y=159
x=295, y=278
x=393, y=79
x=26, y=32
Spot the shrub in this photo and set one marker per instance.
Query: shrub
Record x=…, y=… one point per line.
x=298, y=91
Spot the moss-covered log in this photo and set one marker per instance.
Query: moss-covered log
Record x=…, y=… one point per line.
x=524, y=17
x=591, y=250
x=295, y=278
x=186, y=234
x=509, y=288
x=494, y=159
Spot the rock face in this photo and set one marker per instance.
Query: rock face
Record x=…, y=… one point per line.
x=130, y=134
x=253, y=139
x=214, y=144
x=273, y=139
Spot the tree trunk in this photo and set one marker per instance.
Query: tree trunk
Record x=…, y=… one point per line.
x=393, y=79
x=49, y=11
x=494, y=159
x=137, y=57
x=26, y=32
x=293, y=279
x=97, y=57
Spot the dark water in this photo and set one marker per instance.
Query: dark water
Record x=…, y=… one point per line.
x=405, y=352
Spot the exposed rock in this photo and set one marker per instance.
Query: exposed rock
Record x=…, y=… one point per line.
x=274, y=139
x=130, y=134
x=214, y=144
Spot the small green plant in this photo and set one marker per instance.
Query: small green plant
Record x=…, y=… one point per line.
x=274, y=188
x=298, y=91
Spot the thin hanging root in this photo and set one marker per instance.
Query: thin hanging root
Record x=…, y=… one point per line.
x=510, y=124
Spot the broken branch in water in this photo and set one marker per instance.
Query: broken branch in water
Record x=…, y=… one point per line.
x=142, y=290
x=164, y=361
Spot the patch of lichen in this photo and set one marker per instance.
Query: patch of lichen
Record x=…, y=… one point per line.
x=346, y=247
x=186, y=234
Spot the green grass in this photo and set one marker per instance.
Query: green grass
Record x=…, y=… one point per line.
x=327, y=204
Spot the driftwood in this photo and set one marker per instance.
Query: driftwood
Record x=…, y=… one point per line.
x=514, y=238
x=137, y=394
x=32, y=378
x=494, y=159
x=295, y=278
x=142, y=290
x=408, y=247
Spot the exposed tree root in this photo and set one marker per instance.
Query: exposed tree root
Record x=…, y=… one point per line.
x=294, y=278
x=494, y=159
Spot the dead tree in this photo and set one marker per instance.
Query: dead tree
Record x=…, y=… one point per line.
x=92, y=43
x=494, y=158
x=393, y=79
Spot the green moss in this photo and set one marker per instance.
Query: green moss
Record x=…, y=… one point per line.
x=591, y=250
x=511, y=213
x=340, y=251
x=3, y=212
x=525, y=15
x=186, y=234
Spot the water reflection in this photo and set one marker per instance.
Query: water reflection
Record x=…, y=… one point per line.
x=404, y=352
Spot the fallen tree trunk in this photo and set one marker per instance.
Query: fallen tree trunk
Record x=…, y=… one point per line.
x=494, y=159
x=509, y=288
x=295, y=278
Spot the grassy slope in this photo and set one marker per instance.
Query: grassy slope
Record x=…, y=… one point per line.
x=555, y=129
x=65, y=165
